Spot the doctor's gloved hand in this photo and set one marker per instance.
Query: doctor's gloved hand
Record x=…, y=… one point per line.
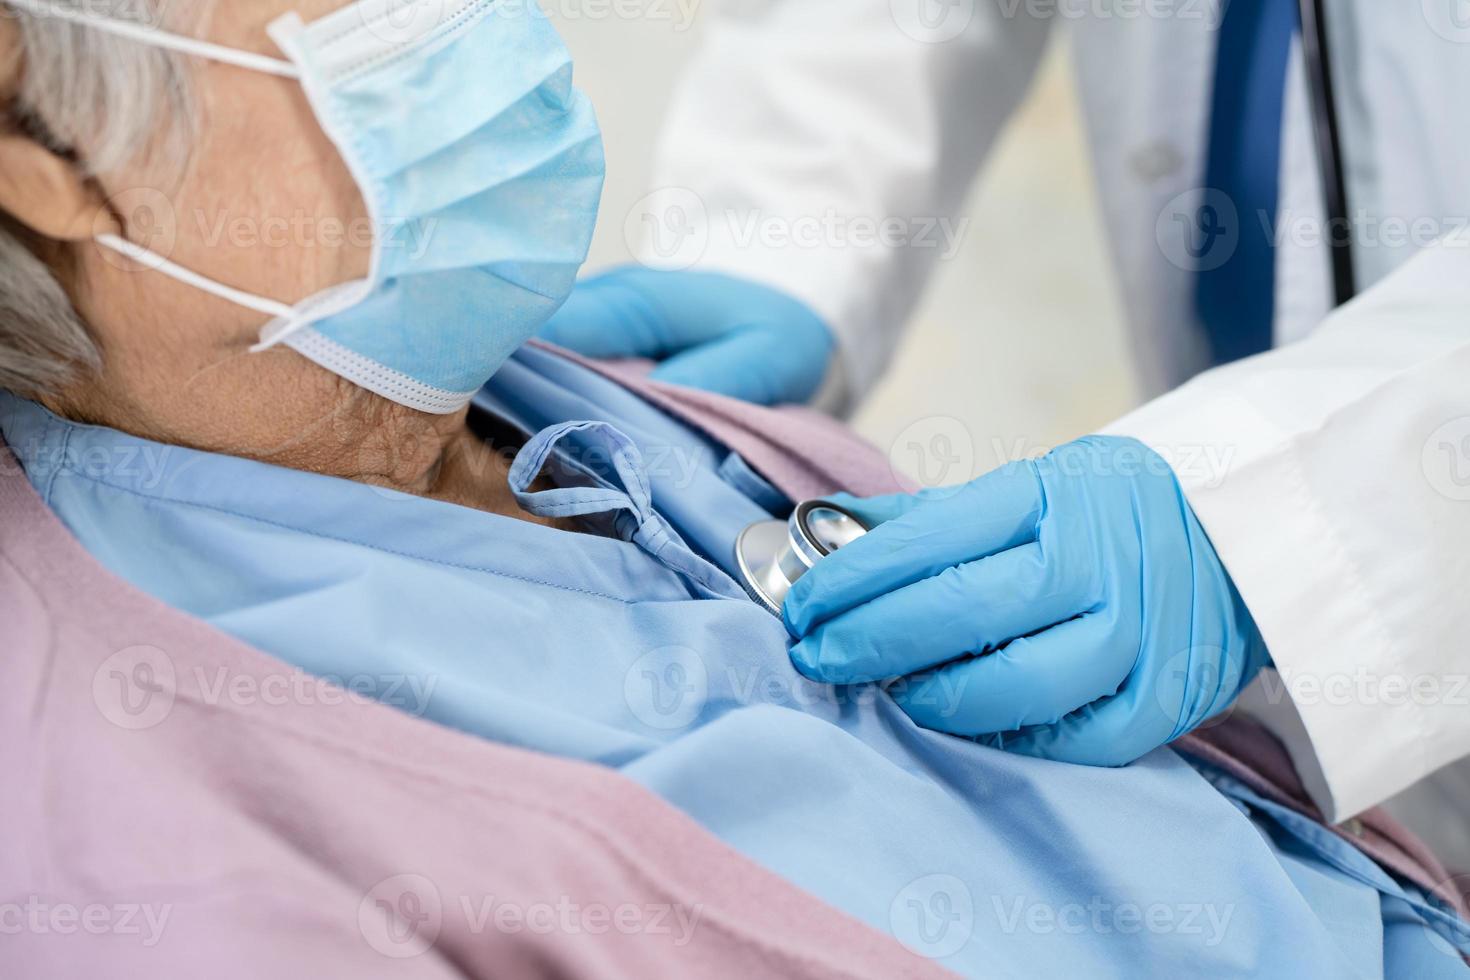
x=708, y=330
x=1069, y=607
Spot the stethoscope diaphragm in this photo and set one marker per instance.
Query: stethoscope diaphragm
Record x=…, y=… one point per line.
x=772, y=555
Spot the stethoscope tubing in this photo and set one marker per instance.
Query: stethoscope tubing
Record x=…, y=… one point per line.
x=1328, y=134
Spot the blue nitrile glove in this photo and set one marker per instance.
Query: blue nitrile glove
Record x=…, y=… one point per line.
x=1072, y=603
x=710, y=331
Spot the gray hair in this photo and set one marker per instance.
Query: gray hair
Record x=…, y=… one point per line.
x=107, y=103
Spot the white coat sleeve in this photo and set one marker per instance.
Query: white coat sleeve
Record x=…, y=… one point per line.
x=824, y=147
x=1333, y=477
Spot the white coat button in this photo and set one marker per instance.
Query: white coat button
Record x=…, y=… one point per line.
x=1154, y=161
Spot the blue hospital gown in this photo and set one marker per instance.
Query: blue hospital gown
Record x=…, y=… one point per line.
x=638, y=650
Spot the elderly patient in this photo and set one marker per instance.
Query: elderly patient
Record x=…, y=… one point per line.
x=221, y=421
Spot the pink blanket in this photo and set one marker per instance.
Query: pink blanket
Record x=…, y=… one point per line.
x=155, y=827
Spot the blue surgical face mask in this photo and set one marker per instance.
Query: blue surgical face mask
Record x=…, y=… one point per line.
x=481, y=167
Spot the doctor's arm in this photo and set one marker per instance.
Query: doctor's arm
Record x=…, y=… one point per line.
x=1338, y=497
x=811, y=171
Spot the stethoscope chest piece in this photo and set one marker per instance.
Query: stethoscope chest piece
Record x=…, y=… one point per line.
x=772, y=555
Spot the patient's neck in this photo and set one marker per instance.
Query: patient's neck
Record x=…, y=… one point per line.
x=291, y=413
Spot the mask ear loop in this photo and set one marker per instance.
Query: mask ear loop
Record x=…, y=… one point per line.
x=152, y=260
x=146, y=34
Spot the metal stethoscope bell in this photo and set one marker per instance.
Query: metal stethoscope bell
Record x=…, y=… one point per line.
x=772, y=555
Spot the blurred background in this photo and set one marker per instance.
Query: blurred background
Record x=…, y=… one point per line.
x=995, y=355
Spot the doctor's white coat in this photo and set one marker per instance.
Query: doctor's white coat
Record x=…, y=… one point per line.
x=1344, y=511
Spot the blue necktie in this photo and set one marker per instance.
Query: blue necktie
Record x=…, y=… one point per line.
x=1236, y=300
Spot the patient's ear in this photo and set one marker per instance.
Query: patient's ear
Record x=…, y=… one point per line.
x=46, y=192
x=10, y=59
x=41, y=186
